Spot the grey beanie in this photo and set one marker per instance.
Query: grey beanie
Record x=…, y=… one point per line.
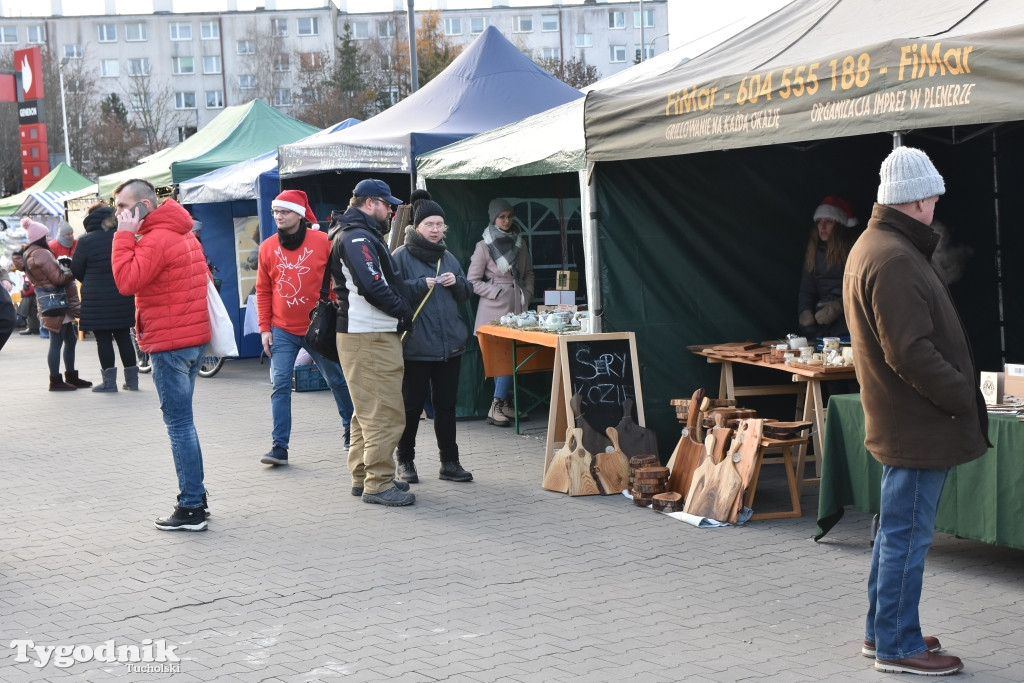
x=908, y=175
x=495, y=207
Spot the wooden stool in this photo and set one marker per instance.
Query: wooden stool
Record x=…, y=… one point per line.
x=784, y=458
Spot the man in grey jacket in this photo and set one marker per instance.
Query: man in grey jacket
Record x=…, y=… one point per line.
x=923, y=410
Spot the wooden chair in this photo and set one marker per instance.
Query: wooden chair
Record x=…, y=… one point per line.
x=782, y=455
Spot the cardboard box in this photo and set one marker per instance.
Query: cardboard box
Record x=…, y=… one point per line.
x=554, y=297
x=567, y=280
x=1013, y=380
x=992, y=387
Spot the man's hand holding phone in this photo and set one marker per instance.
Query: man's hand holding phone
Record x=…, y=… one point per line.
x=130, y=220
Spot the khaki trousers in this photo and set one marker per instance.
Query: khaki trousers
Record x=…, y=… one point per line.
x=373, y=365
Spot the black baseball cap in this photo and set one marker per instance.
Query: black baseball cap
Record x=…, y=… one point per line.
x=371, y=187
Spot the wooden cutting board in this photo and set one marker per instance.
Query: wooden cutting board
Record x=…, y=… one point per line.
x=686, y=460
x=634, y=439
x=556, y=478
x=581, y=478
x=593, y=441
x=715, y=487
x=749, y=431
x=611, y=470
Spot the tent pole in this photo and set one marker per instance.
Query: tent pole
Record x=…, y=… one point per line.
x=588, y=200
x=414, y=76
x=999, y=248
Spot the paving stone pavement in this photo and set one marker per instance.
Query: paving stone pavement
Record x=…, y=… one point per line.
x=494, y=580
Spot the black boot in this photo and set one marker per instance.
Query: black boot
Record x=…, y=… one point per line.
x=71, y=377
x=109, y=380
x=452, y=471
x=131, y=378
x=406, y=471
x=57, y=383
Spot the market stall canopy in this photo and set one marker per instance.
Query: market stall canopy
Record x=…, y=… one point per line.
x=236, y=134
x=549, y=142
x=490, y=84
x=239, y=181
x=821, y=69
x=62, y=179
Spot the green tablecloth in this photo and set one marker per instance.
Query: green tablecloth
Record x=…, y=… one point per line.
x=983, y=499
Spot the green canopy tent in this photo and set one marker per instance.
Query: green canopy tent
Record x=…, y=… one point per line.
x=62, y=178
x=238, y=133
x=706, y=178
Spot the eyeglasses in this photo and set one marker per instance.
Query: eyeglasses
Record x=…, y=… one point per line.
x=434, y=226
x=387, y=205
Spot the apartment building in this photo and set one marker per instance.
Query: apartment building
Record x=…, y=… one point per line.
x=195, y=64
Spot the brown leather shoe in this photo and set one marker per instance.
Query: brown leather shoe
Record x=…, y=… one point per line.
x=930, y=641
x=925, y=664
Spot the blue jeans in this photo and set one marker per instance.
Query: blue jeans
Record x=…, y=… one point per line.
x=503, y=387
x=174, y=376
x=283, y=351
x=909, y=501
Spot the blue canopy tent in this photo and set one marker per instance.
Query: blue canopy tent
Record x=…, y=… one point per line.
x=490, y=84
x=239, y=191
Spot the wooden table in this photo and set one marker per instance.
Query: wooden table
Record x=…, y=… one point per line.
x=813, y=410
x=510, y=351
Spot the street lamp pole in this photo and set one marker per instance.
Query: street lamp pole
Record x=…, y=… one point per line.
x=64, y=111
x=651, y=45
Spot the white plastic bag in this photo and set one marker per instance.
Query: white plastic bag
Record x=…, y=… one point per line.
x=222, y=332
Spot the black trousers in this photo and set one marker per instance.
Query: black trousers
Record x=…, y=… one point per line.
x=441, y=378
x=105, y=347
x=66, y=339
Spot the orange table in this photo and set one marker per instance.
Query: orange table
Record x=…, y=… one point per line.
x=813, y=411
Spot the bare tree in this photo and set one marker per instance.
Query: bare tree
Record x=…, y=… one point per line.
x=150, y=104
x=386, y=66
x=268, y=65
x=575, y=72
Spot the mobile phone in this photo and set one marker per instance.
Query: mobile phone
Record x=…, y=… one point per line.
x=142, y=210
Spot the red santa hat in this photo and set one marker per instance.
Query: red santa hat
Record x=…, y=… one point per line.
x=836, y=209
x=295, y=200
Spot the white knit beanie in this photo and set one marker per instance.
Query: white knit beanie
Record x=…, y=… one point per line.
x=908, y=175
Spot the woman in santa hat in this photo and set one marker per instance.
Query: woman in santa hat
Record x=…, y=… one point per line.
x=821, y=287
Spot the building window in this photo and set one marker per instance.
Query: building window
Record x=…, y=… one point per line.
x=141, y=102
x=309, y=26
x=107, y=33
x=136, y=32
x=109, y=68
x=360, y=30
x=584, y=40
x=36, y=35
x=181, y=31
x=184, y=100
x=386, y=61
x=453, y=26
x=245, y=47
x=386, y=28
x=211, y=64
x=8, y=35
x=185, y=132
x=616, y=53
x=522, y=24
x=311, y=60
x=616, y=19
x=209, y=30
x=549, y=22
x=390, y=95
x=138, y=66
x=75, y=86
x=648, y=18
x=246, y=82
x=279, y=27
x=282, y=97
x=73, y=51
x=214, y=99
x=477, y=25
x=182, y=66
x=282, y=62
x=551, y=53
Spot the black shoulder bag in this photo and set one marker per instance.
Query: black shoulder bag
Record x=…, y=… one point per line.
x=321, y=335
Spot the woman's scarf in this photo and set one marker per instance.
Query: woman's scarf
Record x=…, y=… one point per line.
x=504, y=248
x=423, y=249
x=294, y=240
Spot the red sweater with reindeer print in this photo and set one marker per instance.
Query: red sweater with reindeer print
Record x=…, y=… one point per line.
x=288, y=281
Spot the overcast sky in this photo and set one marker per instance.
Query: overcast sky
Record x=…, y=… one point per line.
x=699, y=24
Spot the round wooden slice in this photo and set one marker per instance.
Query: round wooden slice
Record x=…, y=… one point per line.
x=638, y=461
x=669, y=497
x=651, y=473
x=649, y=490
x=641, y=502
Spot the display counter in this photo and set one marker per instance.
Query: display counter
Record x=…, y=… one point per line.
x=982, y=500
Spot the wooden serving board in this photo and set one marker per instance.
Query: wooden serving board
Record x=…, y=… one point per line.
x=751, y=431
x=824, y=369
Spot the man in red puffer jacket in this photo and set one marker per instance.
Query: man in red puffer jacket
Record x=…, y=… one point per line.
x=157, y=258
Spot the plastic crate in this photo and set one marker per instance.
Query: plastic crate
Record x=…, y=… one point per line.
x=308, y=378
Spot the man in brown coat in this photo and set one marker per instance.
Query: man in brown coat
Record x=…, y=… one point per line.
x=923, y=410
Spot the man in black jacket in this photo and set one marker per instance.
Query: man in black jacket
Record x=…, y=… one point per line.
x=372, y=313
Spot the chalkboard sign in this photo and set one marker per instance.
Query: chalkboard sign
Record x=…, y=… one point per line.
x=602, y=369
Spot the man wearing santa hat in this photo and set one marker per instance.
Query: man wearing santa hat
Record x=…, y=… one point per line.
x=289, y=276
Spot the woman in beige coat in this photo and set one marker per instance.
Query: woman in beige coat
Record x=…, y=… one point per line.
x=502, y=275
